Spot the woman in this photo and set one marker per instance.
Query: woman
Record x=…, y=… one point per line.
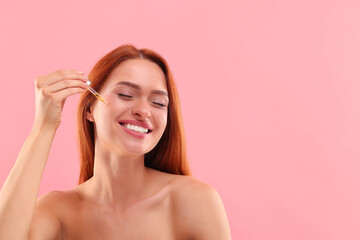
x=134, y=180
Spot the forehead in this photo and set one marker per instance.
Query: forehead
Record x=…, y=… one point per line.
x=142, y=72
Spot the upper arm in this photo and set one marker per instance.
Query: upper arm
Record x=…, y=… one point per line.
x=202, y=213
x=45, y=224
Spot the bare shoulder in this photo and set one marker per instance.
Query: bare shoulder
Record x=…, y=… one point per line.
x=188, y=192
x=199, y=209
x=52, y=197
x=46, y=223
x=57, y=200
x=190, y=181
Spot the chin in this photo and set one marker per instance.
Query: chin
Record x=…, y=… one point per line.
x=136, y=149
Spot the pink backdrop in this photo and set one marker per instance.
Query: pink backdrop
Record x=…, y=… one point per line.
x=270, y=94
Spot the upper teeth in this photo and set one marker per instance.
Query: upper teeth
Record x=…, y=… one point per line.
x=136, y=128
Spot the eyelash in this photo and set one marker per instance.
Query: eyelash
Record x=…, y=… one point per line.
x=123, y=95
x=129, y=97
x=160, y=104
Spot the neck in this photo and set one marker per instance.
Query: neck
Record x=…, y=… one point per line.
x=118, y=178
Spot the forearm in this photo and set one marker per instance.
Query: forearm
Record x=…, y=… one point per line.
x=19, y=192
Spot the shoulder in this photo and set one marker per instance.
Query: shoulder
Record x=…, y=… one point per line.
x=46, y=223
x=49, y=212
x=55, y=202
x=50, y=197
x=188, y=192
x=199, y=209
x=187, y=188
x=57, y=199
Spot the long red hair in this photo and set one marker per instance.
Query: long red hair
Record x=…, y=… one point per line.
x=169, y=155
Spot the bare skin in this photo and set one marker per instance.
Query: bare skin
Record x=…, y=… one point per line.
x=160, y=214
x=140, y=218
x=123, y=199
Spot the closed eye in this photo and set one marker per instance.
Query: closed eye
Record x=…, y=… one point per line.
x=124, y=95
x=159, y=104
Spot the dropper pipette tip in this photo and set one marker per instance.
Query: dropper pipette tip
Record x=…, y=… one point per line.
x=96, y=94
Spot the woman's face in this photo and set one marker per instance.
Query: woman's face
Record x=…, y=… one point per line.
x=135, y=117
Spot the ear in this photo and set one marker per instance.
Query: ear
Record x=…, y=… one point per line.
x=89, y=116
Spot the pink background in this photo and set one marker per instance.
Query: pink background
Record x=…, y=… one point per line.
x=270, y=94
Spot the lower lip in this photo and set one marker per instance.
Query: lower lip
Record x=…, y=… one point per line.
x=133, y=133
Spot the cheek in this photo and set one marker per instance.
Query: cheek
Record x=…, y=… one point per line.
x=117, y=106
x=105, y=114
x=163, y=121
x=111, y=97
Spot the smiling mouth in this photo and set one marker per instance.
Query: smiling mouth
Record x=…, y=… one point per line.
x=135, y=128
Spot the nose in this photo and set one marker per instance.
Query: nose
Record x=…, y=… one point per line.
x=141, y=110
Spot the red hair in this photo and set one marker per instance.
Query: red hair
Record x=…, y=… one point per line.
x=169, y=155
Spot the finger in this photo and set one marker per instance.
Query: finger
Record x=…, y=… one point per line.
x=52, y=78
x=59, y=75
x=68, y=71
x=66, y=74
x=62, y=95
x=64, y=84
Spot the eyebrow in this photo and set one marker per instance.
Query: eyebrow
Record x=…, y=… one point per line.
x=137, y=87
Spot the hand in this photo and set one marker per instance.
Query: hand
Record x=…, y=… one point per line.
x=51, y=91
